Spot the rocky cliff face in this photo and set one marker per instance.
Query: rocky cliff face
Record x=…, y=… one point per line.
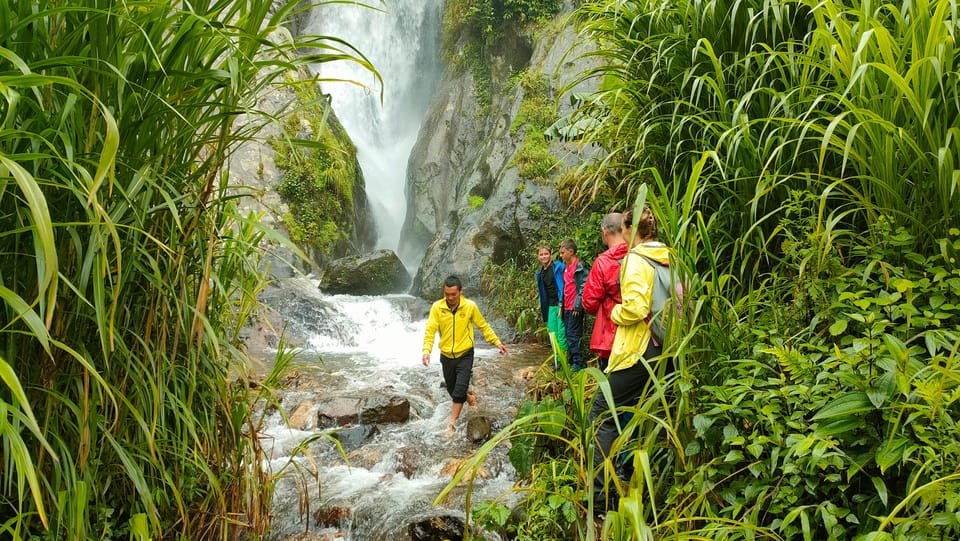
x=467, y=203
x=254, y=168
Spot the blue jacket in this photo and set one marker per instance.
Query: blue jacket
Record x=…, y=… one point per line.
x=542, y=290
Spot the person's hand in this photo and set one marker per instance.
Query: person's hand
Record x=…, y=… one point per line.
x=426, y=359
x=503, y=349
x=576, y=313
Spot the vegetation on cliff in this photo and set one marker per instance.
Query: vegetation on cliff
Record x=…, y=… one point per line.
x=474, y=32
x=320, y=174
x=538, y=111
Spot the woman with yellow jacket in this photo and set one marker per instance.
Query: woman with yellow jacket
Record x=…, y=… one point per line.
x=633, y=340
x=455, y=316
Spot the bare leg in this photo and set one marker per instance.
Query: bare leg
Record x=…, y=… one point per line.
x=471, y=399
x=454, y=414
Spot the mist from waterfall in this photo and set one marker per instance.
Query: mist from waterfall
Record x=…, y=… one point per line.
x=401, y=40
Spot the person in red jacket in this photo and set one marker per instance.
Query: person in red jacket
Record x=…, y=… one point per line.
x=602, y=290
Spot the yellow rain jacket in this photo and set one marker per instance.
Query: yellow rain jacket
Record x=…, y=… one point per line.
x=456, y=329
x=636, y=288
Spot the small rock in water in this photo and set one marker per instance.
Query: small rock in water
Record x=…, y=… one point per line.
x=406, y=461
x=352, y=437
x=304, y=416
x=478, y=429
x=453, y=466
x=330, y=535
x=331, y=516
x=437, y=529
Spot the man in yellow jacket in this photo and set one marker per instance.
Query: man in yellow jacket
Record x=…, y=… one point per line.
x=454, y=316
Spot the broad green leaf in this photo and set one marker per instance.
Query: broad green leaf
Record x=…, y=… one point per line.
x=551, y=419
x=878, y=395
x=838, y=327
x=840, y=425
x=521, y=454
x=880, y=487
x=896, y=347
x=891, y=452
x=701, y=423
x=845, y=405
x=902, y=284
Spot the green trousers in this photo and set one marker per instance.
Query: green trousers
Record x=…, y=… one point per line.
x=555, y=328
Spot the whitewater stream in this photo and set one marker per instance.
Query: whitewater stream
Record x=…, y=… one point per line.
x=367, y=349
x=364, y=353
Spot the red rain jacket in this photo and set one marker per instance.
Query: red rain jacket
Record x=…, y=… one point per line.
x=600, y=294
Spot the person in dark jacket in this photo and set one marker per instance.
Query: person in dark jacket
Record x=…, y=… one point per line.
x=602, y=290
x=550, y=289
x=574, y=277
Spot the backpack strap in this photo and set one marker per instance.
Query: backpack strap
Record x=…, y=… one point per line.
x=655, y=332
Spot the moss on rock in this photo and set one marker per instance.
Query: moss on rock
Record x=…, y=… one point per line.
x=320, y=174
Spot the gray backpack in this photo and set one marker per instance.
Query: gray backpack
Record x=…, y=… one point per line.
x=667, y=291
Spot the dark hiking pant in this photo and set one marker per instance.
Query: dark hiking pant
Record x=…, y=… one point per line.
x=456, y=375
x=573, y=326
x=626, y=386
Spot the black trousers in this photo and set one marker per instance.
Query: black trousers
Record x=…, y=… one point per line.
x=456, y=375
x=626, y=386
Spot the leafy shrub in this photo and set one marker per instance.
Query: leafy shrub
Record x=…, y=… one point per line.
x=847, y=425
x=476, y=201
x=510, y=286
x=512, y=292
x=533, y=159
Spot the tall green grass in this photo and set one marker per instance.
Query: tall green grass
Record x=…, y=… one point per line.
x=801, y=158
x=126, y=269
x=856, y=103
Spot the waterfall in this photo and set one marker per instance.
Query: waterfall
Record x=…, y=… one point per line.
x=340, y=474
x=402, y=42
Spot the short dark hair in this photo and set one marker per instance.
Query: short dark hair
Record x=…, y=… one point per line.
x=453, y=281
x=569, y=245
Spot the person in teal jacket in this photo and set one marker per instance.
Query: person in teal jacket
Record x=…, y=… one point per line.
x=454, y=317
x=550, y=289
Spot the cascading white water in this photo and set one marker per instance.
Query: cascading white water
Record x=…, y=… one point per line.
x=359, y=347
x=401, y=41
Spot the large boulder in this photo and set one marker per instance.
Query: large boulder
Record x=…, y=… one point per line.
x=349, y=410
x=385, y=409
x=376, y=273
